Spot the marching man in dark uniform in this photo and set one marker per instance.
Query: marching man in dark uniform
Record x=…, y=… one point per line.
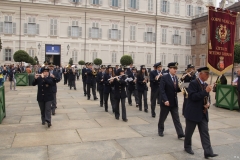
x=155, y=77
x=109, y=88
x=72, y=77
x=84, y=79
x=132, y=87
x=169, y=101
x=187, y=78
x=44, y=95
x=120, y=94
x=196, y=113
x=100, y=82
x=65, y=75
x=56, y=78
x=91, y=81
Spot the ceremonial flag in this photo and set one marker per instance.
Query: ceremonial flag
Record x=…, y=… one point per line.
x=221, y=36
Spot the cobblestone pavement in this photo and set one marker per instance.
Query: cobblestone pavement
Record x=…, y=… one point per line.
x=82, y=130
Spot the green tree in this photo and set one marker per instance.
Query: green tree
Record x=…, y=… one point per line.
x=126, y=60
x=97, y=61
x=31, y=61
x=70, y=61
x=21, y=56
x=36, y=60
x=237, y=53
x=81, y=63
x=0, y=44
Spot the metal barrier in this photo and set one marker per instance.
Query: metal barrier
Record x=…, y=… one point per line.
x=21, y=79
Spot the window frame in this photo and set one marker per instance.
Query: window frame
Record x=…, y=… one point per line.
x=8, y=55
x=114, y=57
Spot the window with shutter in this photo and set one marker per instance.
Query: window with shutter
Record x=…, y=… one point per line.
x=163, y=59
x=115, y=3
x=150, y=5
x=94, y=55
x=132, y=33
x=114, y=57
x=165, y=6
x=175, y=58
x=164, y=35
x=8, y=27
x=177, y=11
x=31, y=53
x=133, y=56
x=189, y=10
x=8, y=55
x=96, y=2
x=149, y=58
x=1, y=27
x=188, y=37
x=134, y=4
x=75, y=56
x=53, y=27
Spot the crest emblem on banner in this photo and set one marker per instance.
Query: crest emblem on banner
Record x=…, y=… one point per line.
x=222, y=34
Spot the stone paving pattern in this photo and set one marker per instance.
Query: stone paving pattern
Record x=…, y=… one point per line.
x=82, y=130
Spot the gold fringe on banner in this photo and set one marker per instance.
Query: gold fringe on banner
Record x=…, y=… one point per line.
x=217, y=71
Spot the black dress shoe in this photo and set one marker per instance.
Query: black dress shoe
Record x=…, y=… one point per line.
x=49, y=125
x=130, y=104
x=95, y=98
x=75, y=88
x=137, y=105
x=125, y=120
x=85, y=94
x=106, y=110
x=189, y=151
x=140, y=109
x=181, y=136
x=43, y=123
x=88, y=98
x=145, y=110
x=210, y=155
x=101, y=105
x=161, y=134
x=53, y=113
x=153, y=116
x=117, y=118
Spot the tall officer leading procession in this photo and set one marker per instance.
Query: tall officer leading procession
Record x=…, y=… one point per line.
x=126, y=92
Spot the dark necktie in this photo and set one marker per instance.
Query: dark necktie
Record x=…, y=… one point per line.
x=174, y=81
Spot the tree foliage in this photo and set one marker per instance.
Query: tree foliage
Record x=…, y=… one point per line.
x=97, y=61
x=126, y=60
x=36, y=60
x=237, y=53
x=0, y=44
x=70, y=61
x=81, y=62
x=21, y=56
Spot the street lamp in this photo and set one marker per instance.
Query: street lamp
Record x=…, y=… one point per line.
x=39, y=46
x=68, y=47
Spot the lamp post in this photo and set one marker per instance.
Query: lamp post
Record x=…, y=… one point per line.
x=39, y=46
x=68, y=47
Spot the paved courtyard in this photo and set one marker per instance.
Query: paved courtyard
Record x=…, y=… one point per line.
x=82, y=130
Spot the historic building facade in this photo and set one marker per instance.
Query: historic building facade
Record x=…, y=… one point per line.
x=148, y=30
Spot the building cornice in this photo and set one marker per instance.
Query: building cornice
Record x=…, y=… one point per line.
x=6, y=3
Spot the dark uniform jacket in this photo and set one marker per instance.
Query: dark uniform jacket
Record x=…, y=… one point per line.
x=84, y=76
x=195, y=105
x=168, y=92
x=100, y=77
x=132, y=84
x=141, y=86
x=238, y=84
x=91, y=79
x=119, y=88
x=55, y=81
x=129, y=71
x=108, y=87
x=72, y=75
x=45, y=93
x=154, y=84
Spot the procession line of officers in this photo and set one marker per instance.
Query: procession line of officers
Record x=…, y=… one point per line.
x=121, y=83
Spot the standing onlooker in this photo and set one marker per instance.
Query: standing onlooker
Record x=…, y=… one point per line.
x=5, y=73
x=1, y=76
x=12, y=79
x=28, y=70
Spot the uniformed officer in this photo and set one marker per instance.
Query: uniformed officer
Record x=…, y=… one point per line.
x=129, y=70
x=142, y=80
x=100, y=82
x=84, y=78
x=56, y=78
x=196, y=112
x=65, y=75
x=72, y=77
x=120, y=94
x=109, y=88
x=91, y=81
x=132, y=87
x=155, y=77
x=169, y=101
x=44, y=95
x=115, y=69
x=187, y=77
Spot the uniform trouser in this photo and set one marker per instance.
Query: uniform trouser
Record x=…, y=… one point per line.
x=204, y=135
x=117, y=113
x=184, y=104
x=13, y=84
x=68, y=79
x=154, y=96
x=129, y=94
x=239, y=100
x=72, y=84
x=175, y=117
x=101, y=96
x=84, y=87
x=144, y=96
x=45, y=108
x=54, y=102
x=93, y=85
x=65, y=78
x=112, y=100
